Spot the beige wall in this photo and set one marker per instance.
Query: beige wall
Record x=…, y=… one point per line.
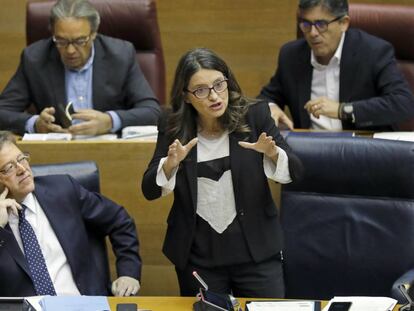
x=246, y=33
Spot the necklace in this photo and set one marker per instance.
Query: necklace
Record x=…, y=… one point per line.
x=211, y=134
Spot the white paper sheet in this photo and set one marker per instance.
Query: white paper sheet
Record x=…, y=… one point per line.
x=364, y=303
x=281, y=305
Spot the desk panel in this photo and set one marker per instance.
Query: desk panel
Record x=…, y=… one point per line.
x=121, y=167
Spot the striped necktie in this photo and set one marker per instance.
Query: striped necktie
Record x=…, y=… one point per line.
x=37, y=265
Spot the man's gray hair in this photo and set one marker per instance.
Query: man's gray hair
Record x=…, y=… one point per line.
x=75, y=9
x=335, y=7
x=6, y=137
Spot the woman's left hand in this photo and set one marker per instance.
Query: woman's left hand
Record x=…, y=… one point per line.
x=265, y=144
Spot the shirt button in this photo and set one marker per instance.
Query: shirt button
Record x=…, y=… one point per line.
x=2, y=243
x=241, y=213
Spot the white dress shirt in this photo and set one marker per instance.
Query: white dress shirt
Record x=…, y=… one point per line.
x=325, y=82
x=56, y=261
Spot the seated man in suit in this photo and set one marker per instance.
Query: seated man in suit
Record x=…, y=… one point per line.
x=98, y=74
x=44, y=241
x=337, y=78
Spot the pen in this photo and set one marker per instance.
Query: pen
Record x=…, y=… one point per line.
x=200, y=280
x=67, y=110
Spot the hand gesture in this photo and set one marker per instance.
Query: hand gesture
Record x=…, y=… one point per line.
x=7, y=206
x=125, y=286
x=281, y=119
x=265, y=144
x=45, y=122
x=176, y=153
x=95, y=122
x=323, y=106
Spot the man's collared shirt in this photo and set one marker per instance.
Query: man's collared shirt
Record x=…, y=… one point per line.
x=56, y=261
x=325, y=82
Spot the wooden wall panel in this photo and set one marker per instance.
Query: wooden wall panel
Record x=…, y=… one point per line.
x=246, y=33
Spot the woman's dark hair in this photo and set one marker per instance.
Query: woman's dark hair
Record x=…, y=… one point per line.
x=182, y=122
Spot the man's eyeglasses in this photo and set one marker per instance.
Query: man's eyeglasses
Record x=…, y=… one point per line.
x=320, y=25
x=204, y=92
x=11, y=167
x=77, y=43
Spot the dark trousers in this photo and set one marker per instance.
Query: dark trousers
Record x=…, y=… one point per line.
x=264, y=279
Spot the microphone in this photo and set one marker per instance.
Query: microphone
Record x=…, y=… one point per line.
x=200, y=280
x=409, y=306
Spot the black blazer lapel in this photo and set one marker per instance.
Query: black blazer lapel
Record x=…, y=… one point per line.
x=304, y=81
x=190, y=168
x=99, y=78
x=235, y=160
x=350, y=66
x=57, y=79
x=10, y=243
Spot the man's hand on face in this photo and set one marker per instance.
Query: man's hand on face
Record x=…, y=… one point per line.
x=323, y=106
x=125, y=286
x=7, y=206
x=45, y=122
x=95, y=122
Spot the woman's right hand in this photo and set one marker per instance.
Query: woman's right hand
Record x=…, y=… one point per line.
x=176, y=153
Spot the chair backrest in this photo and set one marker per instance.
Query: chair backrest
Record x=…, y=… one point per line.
x=349, y=224
x=395, y=24
x=87, y=174
x=131, y=20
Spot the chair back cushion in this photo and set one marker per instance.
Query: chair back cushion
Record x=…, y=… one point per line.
x=85, y=172
x=131, y=20
x=349, y=224
x=395, y=24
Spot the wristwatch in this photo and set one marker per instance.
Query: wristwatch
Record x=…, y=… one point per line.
x=347, y=112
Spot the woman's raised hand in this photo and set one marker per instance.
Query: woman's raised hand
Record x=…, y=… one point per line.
x=176, y=153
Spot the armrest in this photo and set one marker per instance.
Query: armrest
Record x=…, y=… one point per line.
x=406, y=278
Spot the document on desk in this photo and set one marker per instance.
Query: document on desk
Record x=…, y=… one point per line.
x=145, y=132
x=282, y=305
x=365, y=303
x=78, y=303
x=47, y=136
x=406, y=136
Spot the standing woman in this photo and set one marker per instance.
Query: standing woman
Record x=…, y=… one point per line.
x=215, y=151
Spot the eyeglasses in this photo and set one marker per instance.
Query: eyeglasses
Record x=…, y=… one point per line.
x=320, y=25
x=11, y=167
x=204, y=92
x=77, y=43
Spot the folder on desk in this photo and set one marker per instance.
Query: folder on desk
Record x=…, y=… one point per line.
x=78, y=303
x=283, y=305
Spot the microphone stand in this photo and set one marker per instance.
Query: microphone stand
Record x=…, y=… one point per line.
x=409, y=306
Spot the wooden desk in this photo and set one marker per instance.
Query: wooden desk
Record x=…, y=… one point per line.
x=122, y=165
x=165, y=303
